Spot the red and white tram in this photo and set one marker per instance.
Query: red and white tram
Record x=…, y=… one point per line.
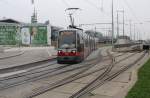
x=74, y=45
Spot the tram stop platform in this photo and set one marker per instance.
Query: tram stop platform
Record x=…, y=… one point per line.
x=12, y=57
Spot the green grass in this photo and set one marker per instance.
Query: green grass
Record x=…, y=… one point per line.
x=142, y=87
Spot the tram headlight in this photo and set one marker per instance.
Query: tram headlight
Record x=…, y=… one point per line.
x=59, y=51
x=73, y=51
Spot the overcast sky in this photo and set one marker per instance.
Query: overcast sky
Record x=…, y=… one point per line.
x=93, y=11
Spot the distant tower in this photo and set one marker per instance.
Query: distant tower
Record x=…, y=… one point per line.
x=34, y=16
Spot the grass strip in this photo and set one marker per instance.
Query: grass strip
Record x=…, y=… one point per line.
x=142, y=87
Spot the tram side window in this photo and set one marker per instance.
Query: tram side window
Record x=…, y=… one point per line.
x=78, y=43
x=89, y=43
x=86, y=42
x=78, y=39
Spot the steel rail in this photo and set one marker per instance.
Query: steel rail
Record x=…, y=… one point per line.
x=45, y=74
x=64, y=81
x=26, y=66
x=11, y=56
x=92, y=84
x=100, y=81
x=69, y=79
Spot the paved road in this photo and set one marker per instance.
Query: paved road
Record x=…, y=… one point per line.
x=29, y=56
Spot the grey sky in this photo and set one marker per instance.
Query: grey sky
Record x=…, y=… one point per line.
x=93, y=11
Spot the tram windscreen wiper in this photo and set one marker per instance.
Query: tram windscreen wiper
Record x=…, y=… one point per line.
x=67, y=46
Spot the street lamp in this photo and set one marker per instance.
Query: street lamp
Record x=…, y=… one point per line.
x=112, y=24
x=130, y=29
x=117, y=24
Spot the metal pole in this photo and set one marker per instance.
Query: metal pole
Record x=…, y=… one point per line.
x=138, y=35
x=112, y=23
x=123, y=24
x=134, y=31
x=95, y=39
x=130, y=29
x=117, y=24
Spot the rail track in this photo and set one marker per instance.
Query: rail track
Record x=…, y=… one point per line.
x=69, y=79
x=102, y=79
x=77, y=76
x=80, y=71
x=32, y=65
x=34, y=75
x=14, y=55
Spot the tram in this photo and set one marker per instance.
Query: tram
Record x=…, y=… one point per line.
x=74, y=45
